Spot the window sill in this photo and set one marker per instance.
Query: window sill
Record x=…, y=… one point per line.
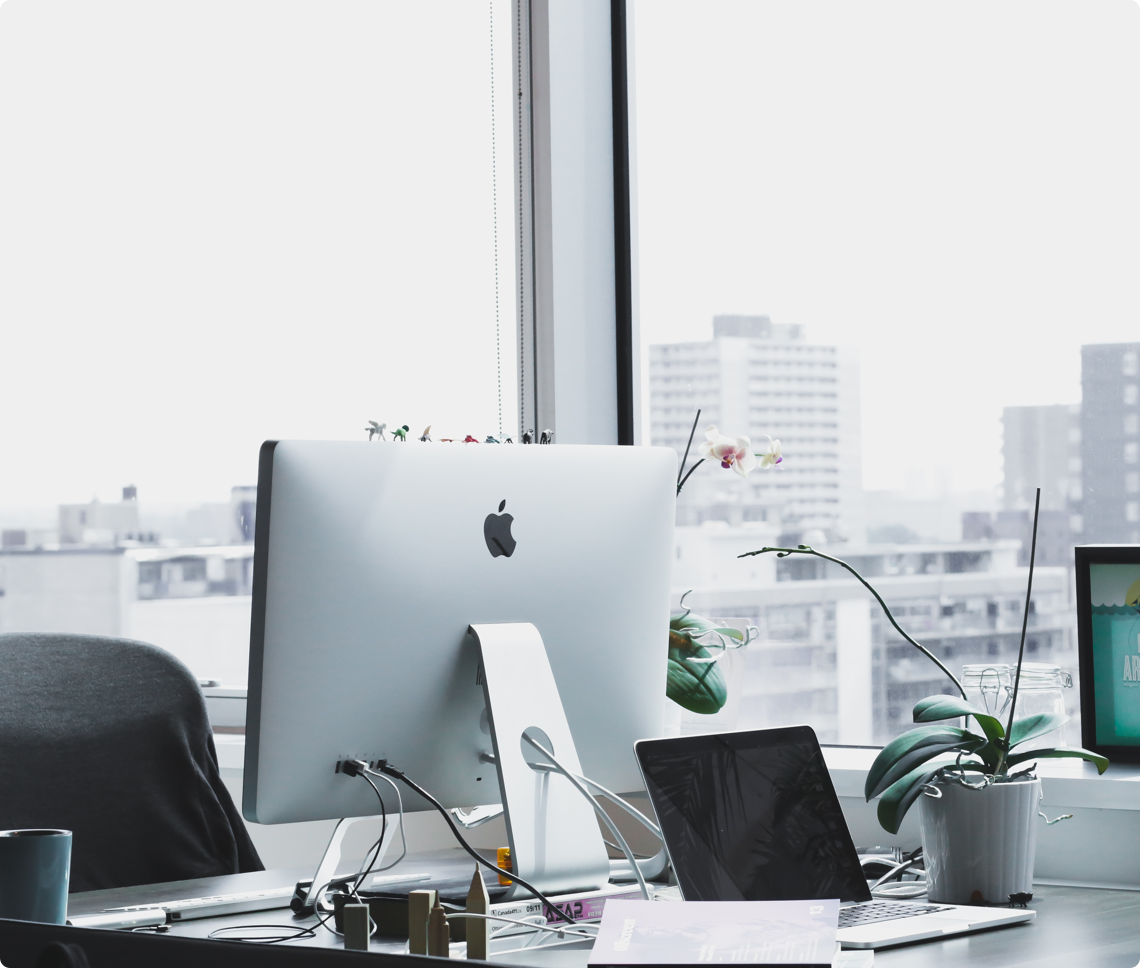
x=1080, y=852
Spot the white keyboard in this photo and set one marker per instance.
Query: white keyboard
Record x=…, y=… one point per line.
x=209, y=907
x=189, y=908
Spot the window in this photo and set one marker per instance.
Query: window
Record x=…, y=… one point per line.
x=225, y=223
x=1131, y=423
x=1132, y=482
x=1131, y=452
x=1132, y=511
x=826, y=181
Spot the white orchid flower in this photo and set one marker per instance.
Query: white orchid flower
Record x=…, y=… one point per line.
x=773, y=456
x=734, y=452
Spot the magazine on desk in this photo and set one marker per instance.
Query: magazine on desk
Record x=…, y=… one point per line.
x=800, y=933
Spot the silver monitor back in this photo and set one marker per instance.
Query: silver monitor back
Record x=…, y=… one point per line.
x=372, y=559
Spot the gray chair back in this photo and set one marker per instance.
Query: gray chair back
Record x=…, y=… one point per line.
x=109, y=738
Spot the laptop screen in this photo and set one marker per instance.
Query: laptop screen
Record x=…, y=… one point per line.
x=751, y=816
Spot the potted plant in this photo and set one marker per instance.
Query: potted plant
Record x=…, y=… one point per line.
x=978, y=791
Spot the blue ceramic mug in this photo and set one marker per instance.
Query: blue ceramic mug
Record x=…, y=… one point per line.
x=34, y=869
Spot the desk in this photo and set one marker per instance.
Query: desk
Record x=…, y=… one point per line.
x=1075, y=927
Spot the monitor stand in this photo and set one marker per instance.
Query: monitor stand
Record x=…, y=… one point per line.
x=307, y=895
x=552, y=831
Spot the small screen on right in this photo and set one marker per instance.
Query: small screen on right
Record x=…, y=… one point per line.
x=751, y=816
x=1114, y=597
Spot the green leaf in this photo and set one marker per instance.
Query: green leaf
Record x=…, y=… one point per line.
x=1101, y=762
x=901, y=794
x=698, y=686
x=933, y=708
x=1033, y=726
x=913, y=748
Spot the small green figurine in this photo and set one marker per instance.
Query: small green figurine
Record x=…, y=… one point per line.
x=401, y=433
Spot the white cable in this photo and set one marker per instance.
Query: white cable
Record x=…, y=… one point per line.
x=528, y=922
x=897, y=869
x=625, y=805
x=403, y=832
x=581, y=788
x=650, y=866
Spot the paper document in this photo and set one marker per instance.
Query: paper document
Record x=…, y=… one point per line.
x=800, y=933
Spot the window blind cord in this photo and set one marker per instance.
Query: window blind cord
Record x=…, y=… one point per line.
x=390, y=770
x=495, y=228
x=605, y=817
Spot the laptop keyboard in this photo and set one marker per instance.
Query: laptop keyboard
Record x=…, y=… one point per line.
x=871, y=911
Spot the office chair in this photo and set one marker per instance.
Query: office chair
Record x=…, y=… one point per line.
x=109, y=738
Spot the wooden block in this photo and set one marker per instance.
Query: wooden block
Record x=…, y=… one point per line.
x=439, y=935
x=357, y=926
x=478, y=929
x=420, y=904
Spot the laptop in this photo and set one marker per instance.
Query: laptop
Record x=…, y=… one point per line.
x=753, y=816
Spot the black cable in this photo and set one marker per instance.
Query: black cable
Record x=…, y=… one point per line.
x=379, y=843
x=298, y=934
x=479, y=858
x=218, y=934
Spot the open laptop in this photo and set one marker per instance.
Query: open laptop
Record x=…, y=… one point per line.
x=752, y=816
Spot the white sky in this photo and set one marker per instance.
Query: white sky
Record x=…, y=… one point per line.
x=230, y=220
x=223, y=221
x=952, y=187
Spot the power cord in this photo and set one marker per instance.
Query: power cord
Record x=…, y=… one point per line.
x=531, y=922
x=403, y=832
x=605, y=817
x=355, y=767
x=298, y=933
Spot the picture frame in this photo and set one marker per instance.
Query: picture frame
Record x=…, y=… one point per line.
x=1108, y=645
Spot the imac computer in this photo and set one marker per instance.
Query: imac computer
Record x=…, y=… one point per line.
x=373, y=560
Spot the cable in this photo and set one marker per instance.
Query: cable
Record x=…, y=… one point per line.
x=403, y=832
x=384, y=767
x=625, y=805
x=379, y=843
x=581, y=788
x=530, y=923
x=220, y=934
x=614, y=846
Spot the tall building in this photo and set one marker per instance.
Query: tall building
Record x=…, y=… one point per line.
x=1041, y=447
x=1110, y=443
x=755, y=377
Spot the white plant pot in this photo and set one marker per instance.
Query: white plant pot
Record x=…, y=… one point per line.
x=978, y=845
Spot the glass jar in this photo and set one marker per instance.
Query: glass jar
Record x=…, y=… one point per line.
x=988, y=687
x=1042, y=691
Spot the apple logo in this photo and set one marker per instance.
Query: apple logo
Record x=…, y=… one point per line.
x=497, y=532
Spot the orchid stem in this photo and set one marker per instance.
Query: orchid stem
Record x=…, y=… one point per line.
x=681, y=469
x=690, y=474
x=1024, y=626
x=807, y=550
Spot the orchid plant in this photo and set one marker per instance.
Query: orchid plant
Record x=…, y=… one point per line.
x=920, y=759
x=695, y=679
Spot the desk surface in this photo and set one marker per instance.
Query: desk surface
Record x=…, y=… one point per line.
x=1075, y=927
